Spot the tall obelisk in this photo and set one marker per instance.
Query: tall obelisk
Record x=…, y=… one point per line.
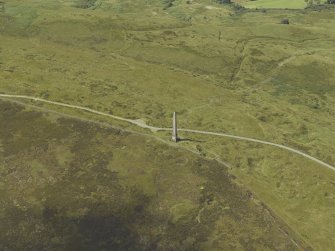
x=174, y=128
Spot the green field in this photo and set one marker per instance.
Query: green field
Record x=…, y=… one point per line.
x=222, y=69
x=276, y=4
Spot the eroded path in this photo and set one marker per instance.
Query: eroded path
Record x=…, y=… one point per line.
x=142, y=124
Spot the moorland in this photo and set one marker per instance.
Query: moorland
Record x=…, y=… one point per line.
x=71, y=180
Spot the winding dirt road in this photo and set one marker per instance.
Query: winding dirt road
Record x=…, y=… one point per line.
x=153, y=128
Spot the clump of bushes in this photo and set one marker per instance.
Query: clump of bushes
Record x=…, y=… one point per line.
x=285, y=21
x=238, y=7
x=224, y=1
x=85, y=4
x=168, y=4
x=235, y=6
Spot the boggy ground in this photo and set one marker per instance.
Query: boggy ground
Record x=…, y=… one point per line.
x=67, y=184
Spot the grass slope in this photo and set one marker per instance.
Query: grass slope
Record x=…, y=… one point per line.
x=67, y=184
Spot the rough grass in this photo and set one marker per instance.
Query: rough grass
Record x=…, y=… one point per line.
x=113, y=192
x=242, y=73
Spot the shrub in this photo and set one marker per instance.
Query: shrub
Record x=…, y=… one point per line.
x=168, y=4
x=285, y=21
x=85, y=4
x=224, y=1
x=238, y=7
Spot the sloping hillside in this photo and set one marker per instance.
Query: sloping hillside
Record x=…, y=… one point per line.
x=68, y=184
